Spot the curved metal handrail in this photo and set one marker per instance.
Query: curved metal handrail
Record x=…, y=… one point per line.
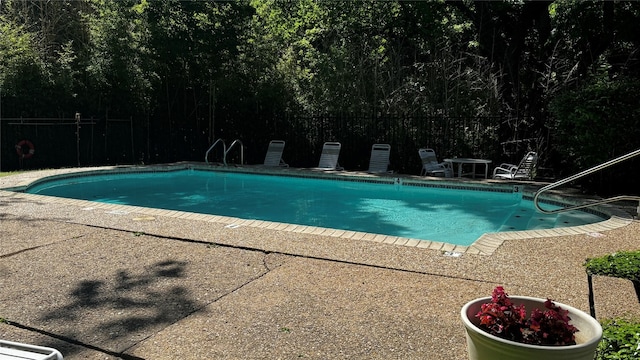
x=584, y=173
x=224, y=150
x=229, y=149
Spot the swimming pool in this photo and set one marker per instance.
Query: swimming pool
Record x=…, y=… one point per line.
x=455, y=214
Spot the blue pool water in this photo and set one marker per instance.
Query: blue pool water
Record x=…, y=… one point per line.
x=453, y=216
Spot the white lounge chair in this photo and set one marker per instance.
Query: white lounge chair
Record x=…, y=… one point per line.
x=431, y=166
x=15, y=350
x=274, y=154
x=379, y=161
x=522, y=171
x=329, y=156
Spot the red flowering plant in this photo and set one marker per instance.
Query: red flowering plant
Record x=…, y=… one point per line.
x=502, y=318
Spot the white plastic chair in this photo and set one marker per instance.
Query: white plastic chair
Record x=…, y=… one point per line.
x=274, y=154
x=522, y=171
x=329, y=156
x=10, y=350
x=379, y=161
x=431, y=166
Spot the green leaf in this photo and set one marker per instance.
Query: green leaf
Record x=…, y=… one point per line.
x=623, y=264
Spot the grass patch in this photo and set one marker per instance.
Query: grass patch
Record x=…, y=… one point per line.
x=7, y=173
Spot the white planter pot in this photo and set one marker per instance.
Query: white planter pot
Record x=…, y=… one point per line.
x=483, y=346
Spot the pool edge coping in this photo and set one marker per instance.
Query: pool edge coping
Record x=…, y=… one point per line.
x=486, y=244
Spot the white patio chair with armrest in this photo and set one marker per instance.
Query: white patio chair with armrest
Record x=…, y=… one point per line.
x=379, y=161
x=522, y=171
x=329, y=156
x=431, y=166
x=274, y=154
x=10, y=350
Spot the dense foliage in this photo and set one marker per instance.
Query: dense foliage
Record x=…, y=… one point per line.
x=620, y=337
x=620, y=340
x=621, y=264
x=470, y=78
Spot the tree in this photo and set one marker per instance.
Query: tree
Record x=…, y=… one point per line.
x=121, y=78
x=595, y=110
x=194, y=46
x=20, y=67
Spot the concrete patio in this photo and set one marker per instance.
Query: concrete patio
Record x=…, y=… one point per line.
x=104, y=283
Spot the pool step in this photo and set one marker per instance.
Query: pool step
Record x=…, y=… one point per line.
x=532, y=220
x=573, y=218
x=525, y=219
x=518, y=220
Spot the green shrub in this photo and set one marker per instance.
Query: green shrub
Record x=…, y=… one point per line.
x=622, y=264
x=620, y=340
x=596, y=123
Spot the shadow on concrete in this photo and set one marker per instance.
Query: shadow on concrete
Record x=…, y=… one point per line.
x=111, y=316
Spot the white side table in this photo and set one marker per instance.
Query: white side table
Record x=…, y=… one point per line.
x=473, y=163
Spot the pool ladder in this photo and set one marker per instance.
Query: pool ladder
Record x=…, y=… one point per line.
x=582, y=174
x=225, y=150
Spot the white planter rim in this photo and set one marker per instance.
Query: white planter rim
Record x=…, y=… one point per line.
x=471, y=322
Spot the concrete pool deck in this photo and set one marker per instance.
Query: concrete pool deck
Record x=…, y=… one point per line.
x=119, y=282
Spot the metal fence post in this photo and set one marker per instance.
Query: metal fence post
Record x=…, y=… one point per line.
x=592, y=305
x=78, y=137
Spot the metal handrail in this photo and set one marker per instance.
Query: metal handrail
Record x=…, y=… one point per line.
x=584, y=173
x=224, y=149
x=229, y=149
